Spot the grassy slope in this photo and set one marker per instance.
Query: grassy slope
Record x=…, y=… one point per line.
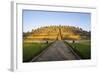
x=30, y=50
x=83, y=49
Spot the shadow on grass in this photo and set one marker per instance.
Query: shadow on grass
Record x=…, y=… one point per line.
x=31, y=50
x=82, y=49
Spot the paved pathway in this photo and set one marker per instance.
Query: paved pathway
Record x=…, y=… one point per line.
x=56, y=52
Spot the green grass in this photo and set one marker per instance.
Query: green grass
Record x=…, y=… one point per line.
x=30, y=50
x=82, y=48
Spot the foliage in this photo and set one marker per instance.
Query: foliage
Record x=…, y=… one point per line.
x=56, y=32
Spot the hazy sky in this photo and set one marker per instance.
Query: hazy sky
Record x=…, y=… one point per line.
x=34, y=19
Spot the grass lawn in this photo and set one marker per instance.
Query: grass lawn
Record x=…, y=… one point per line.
x=83, y=48
x=30, y=50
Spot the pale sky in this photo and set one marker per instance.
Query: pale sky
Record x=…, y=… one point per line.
x=34, y=19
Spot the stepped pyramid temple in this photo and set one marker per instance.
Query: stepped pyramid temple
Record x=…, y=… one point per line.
x=54, y=33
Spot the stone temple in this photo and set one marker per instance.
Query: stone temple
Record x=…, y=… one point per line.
x=54, y=33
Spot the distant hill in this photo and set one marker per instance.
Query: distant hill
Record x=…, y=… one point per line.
x=57, y=33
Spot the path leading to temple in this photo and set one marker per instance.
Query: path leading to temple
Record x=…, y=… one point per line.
x=56, y=52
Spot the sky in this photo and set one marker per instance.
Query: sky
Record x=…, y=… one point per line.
x=35, y=19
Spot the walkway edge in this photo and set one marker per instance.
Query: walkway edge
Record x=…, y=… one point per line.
x=76, y=55
x=33, y=60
